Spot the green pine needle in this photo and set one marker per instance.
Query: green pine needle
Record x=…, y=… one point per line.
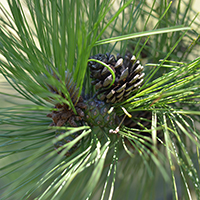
x=41, y=41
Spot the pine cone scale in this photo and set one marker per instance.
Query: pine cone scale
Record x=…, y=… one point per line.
x=119, y=89
x=124, y=74
x=119, y=63
x=110, y=94
x=108, y=81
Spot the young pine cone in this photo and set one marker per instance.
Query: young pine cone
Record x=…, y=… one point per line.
x=64, y=116
x=97, y=114
x=128, y=72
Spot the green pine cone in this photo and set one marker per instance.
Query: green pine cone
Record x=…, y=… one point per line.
x=96, y=114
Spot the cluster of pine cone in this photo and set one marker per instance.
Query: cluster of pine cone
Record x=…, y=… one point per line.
x=109, y=91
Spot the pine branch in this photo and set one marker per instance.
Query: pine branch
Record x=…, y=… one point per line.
x=59, y=139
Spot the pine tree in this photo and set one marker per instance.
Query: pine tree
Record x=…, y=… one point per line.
x=105, y=102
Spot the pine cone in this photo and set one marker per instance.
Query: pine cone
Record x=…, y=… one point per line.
x=64, y=114
x=96, y=114
x=128, y=72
